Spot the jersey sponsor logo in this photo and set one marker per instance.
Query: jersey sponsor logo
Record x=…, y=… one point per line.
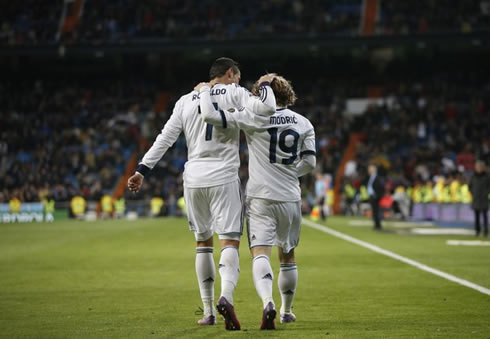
x=283, y=120
x=195, y=97
x=267, y=276
x=218, y=91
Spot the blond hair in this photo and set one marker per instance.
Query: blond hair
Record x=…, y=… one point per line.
x=283, y=90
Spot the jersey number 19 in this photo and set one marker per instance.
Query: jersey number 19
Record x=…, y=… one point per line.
x=293, y=149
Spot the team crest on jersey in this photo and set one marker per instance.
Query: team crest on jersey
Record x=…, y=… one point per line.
x=231, y=110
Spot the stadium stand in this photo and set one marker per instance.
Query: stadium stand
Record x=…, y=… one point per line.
x=121, y=21
x=29, y=22
x=62, y=139
x=418, y=17
x=215, y=20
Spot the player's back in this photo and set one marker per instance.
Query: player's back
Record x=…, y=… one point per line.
x=213, y=151
x=274, y=151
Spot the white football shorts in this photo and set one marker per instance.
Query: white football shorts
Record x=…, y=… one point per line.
x=217, y=209
x=273, y=223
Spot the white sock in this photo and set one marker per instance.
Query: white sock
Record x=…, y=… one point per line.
x=287, y=281
x=263, y=277
x=206, y=273
x=229, y=270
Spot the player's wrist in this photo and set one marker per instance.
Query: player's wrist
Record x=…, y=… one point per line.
x=142, y=170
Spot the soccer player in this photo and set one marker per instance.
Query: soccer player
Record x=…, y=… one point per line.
x=211, y=183
x=281, y=149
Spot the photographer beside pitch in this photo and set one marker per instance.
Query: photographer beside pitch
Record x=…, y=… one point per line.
x=281, y=149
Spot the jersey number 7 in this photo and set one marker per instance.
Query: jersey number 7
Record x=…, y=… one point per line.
x=293, y=149
x=209, y=127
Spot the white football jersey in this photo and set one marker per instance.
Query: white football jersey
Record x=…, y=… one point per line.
x=213, y=150
x=276, y=145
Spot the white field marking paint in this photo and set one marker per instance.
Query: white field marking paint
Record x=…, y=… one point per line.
x=395, y=256
x=442, y=231
x=401, y=224
x=467, y=243
x=396, y=224
x=365, y=223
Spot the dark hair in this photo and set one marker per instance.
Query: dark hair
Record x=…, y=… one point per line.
x=221, y=65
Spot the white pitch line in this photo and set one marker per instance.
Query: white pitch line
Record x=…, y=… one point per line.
x=467, y=243
x=395, y=256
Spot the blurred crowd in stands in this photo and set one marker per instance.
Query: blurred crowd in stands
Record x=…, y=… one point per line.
x=29, y=21
x=61, y=139
x=218, y=20
x=32, y=22
x=433, y=16
x=425, y=139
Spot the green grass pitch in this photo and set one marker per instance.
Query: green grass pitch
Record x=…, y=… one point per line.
x=136, y=279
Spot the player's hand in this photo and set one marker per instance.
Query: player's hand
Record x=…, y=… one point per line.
x=201, y=84
x=135, y=182
x=267, y=77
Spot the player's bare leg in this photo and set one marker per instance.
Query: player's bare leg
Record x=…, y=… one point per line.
x=229, y=270
x=263, y=277
x=287, y=281
x=206, y=273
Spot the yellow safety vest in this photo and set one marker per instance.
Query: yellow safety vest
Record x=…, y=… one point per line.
x=454, y=189
x=364, y=193
x=120, y=205
x=410, y=192
x=106, y=204
x=350, y=192
x=466, y=197
x=156, y=204
x=14, y=205
x=428, y=195
x=48, y=206
x=181, y=205
x=446, y=195
x=330, y=198
x=417, y=194
x=78, y=204
x=440, y=191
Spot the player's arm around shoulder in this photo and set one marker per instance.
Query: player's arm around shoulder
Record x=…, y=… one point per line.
x=209, y=112
x=265, y=103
